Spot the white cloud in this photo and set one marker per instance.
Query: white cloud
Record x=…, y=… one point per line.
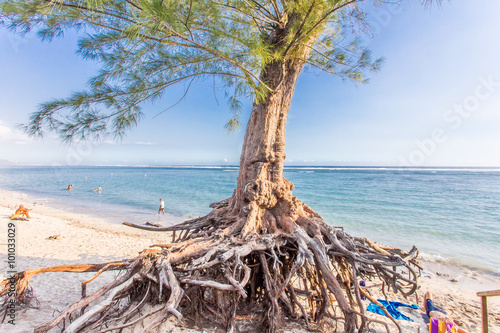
x=12, y=135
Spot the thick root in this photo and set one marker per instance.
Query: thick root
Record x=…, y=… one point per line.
x=216, y=271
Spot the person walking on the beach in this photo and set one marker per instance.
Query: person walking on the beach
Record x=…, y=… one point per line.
x=442, y=321
x=162, y=207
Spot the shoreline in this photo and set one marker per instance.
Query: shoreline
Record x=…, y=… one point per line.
x=110, y=212
x=86, y=239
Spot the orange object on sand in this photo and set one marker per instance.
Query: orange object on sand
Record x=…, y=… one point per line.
x=21, y=213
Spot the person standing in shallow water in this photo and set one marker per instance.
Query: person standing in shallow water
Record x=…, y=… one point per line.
x=162, y=207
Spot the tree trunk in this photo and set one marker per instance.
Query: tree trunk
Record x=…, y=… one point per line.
x=263, y=197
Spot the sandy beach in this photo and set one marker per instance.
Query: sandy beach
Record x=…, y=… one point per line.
x=83, y=239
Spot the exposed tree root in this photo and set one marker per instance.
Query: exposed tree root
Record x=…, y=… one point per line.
x=216, y=272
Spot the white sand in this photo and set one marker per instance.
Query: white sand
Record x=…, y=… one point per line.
x=85, y=239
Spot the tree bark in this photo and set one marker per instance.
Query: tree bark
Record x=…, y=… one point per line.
x=263, y=197
x=261, y=186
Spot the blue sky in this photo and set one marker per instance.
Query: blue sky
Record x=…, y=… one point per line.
x=436, y=101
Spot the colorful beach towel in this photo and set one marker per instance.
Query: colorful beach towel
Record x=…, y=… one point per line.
x=439, y=326
x=391, y=307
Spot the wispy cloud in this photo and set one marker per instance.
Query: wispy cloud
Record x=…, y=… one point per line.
x=11, y=135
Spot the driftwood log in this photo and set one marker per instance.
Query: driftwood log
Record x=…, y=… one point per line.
x=211, y=273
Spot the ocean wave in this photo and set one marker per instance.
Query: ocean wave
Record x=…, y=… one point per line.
x=190, y=216
x=459, y=262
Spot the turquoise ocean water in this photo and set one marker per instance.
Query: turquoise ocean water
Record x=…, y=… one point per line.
x=450, y=214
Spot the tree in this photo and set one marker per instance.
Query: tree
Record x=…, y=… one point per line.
x=251, y=249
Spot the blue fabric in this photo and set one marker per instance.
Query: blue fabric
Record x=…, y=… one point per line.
x=426, y=318
x=391, y=307
x=429, y=306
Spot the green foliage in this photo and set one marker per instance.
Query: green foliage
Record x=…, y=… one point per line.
x=146, y=46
